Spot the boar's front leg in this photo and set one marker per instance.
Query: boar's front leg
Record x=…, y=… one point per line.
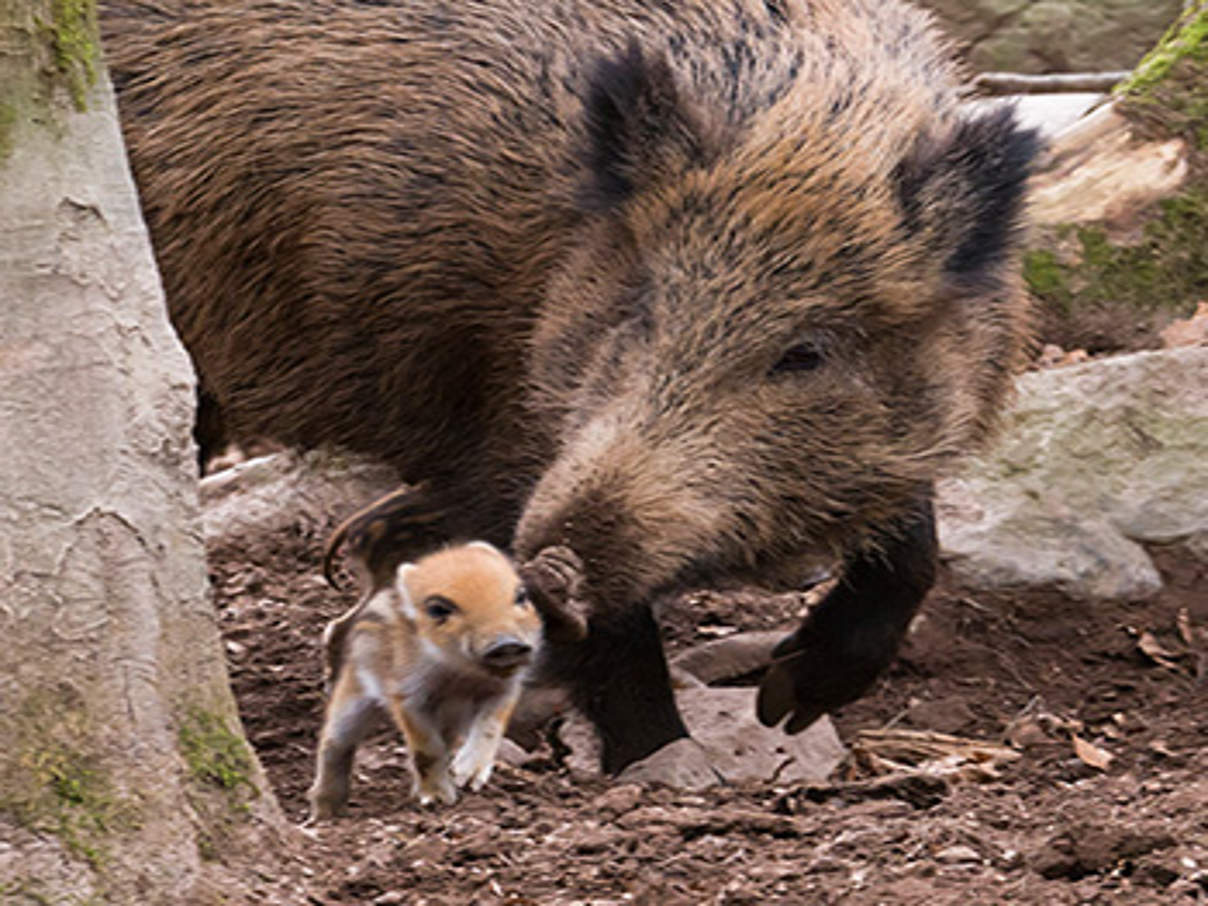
x=846, y=641
x=618, y=677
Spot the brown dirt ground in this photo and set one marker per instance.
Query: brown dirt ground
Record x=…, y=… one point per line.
x=1050, y=829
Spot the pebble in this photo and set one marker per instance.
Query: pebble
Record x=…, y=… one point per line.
x=953, y=854
x=619, y=800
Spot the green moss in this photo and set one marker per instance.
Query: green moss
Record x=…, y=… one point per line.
x=1089, y=284
x=1186, y=38
x=1046, y=276
x=1168, y=91
x=215, y=755
x=52, y=780
x=73, y=38
x=1166, y=269
x=218, y=761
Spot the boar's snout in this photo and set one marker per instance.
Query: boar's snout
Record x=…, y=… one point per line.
x=627, y=510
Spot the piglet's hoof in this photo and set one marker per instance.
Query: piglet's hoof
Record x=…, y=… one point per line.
x=683, y=764
x=553, y=579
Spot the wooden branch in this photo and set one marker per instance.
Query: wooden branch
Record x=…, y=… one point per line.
x=1020, y=83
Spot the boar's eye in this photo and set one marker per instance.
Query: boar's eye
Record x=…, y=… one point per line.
x=802, y=357
x=522, y=596
x=439, y=609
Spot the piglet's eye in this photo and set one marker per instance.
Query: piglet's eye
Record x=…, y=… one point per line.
x=802, y=357
x=439, y=609
x=522, y=597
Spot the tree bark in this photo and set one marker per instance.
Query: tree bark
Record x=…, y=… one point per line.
x=124, y=773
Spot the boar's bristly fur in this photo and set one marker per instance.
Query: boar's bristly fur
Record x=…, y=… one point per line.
x=699, y=291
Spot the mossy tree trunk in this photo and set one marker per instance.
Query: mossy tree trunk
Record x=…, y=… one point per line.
x=1122, y=209
x=123, y=768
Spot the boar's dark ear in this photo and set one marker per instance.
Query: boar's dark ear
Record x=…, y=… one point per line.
x=964, y=193
x=637, y=126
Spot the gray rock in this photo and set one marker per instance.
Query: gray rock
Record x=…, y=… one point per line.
x=273, y=492
x=728, y=658
x=728, y=743
x=1094, y=460
x=683, y=764
x=742, y=748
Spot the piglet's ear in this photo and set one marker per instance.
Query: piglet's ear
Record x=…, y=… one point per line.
x=406, y=602
x=962, y=193
x=638, y=128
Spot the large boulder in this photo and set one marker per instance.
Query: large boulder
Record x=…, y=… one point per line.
x=1054, y=35
x=1096, y=460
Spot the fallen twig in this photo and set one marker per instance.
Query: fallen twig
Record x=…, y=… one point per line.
x=1022, y=83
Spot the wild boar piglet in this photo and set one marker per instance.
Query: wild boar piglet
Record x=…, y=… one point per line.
x=444, y=651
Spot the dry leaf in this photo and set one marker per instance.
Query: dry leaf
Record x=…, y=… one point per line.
x=1026, y=731
x=1191, y=331
x=1091, y=754
x=1183, y=621
x=1152, y=649
x=716, y=629
x=1053, y=356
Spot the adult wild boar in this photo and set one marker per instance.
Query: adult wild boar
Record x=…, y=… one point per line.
x=698, y=290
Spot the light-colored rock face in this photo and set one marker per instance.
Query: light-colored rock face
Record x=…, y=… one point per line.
x=1054, y=35
x=1094, y=461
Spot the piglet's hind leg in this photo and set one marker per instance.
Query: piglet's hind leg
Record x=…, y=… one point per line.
x=349, y=718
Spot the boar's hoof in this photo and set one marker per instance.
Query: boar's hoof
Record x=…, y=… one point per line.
x=808, y=678
x=683, y=764
x=554, y=578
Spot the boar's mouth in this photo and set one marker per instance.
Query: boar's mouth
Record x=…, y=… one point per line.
x=619, y=521
x=560, y=589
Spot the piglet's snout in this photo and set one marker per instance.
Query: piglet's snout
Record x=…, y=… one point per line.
x=506, y=653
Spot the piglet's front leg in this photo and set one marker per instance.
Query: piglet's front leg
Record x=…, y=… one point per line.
x=475, y=759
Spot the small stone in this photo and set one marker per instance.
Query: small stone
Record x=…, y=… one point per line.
x=728, y=658
x=645, y=817
x=511, y=753
x=945, y=715
x=1011, y=858
x=955, y=854
x=598, y=840
x=682, y=764
x=619, y=799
